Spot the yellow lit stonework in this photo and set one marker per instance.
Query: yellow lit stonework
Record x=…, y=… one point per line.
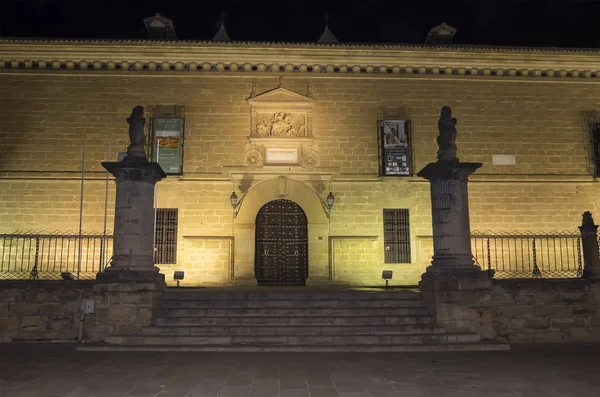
x=532, y=105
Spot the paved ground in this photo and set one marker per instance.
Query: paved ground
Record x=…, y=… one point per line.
x=534, y=371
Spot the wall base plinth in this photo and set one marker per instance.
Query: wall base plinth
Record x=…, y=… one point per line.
x=125, y=303
x=460, y=300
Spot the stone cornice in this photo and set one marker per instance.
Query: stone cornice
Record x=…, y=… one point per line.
x=341, y=59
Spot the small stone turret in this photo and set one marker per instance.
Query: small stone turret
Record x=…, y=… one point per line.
x=441, y=34
x=327, y=36
x=221, y=34
x=160, y=28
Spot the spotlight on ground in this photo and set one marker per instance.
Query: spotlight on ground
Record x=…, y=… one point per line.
x=387, y=276
x=178, y=276
x=67, y=276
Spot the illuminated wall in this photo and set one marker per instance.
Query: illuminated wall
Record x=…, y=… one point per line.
x=47, y=114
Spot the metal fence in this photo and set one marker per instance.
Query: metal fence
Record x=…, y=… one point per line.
x=529, y=255
x=53, y=256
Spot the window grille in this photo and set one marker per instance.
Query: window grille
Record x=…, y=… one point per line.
x=165, y=236
x=396, y=235
x=596, y=142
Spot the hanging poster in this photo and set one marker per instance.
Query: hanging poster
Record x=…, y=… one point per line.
x=167, y=146
x=395, y=148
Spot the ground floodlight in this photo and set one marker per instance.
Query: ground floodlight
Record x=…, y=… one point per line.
x=387, y=276
x=178, y=276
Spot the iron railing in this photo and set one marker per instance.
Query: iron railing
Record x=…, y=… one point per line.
x=51, y=256
x=529, y=255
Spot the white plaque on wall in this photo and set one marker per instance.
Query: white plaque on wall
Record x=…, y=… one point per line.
x=281, y=156
x=503, y=159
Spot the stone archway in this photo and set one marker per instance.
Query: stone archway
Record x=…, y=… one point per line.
x=281, y=187
x=305, y=195
x=281, y=246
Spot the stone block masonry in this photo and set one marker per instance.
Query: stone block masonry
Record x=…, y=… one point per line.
x=546, y=310
x=41, y=311
x=124, y=307
x=539, y=122
x=517, y=311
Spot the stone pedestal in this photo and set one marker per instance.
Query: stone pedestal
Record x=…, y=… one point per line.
x=125, y=304
x=589, y=242
x=460, y=301
x=457, y=291
x=127, y=292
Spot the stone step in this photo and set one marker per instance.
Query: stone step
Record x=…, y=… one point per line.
x=425, y=347
x=274, y=294
x=291, y=303
x=287, y=340
x=289, y=320
x=296, y=312
x=291, y=330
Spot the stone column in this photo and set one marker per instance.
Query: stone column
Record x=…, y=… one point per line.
x=457, y=291
x=450, y=215
x=134, y=216
x=127, y=292
x=589, y=239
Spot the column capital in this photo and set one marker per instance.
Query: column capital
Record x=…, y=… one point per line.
x=135, y=169
x=448, y=170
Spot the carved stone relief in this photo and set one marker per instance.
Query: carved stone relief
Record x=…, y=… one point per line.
x=281, y=128
x=310, y=159
x=254, y=158
x=281, y=124
x=282, y=183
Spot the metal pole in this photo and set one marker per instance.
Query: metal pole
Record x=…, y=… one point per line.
x=155, y=206
x=102, y=261
x=233, y=213
x=81, y=207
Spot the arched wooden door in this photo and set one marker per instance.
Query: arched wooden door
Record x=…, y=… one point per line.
x=281, y=249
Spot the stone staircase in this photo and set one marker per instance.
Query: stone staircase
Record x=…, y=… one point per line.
x=297, y=319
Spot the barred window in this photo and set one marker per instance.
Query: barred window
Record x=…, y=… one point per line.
x=596, y=143
x=165, y=236
x=396, y=235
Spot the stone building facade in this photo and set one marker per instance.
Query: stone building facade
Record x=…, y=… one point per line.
x=277, y=121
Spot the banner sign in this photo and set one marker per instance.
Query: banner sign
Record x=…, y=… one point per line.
x=395, y=148
x=167, y=146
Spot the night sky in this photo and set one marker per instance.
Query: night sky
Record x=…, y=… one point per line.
x=560, y=23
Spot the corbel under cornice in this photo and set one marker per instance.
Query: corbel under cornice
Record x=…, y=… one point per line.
x=283, y=59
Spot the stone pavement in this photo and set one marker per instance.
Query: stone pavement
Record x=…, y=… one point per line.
x=44, y=370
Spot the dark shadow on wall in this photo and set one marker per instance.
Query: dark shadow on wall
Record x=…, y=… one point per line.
x=317, y=184
x=245, y=183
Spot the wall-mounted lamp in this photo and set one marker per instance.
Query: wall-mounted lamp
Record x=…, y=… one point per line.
x=328, y=204
x=235, y=203
x=233, y=199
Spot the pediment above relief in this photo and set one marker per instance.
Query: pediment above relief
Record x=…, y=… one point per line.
x=282, y=96
x=281, y=114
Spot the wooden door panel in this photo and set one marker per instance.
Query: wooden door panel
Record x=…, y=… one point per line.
x=281, y=244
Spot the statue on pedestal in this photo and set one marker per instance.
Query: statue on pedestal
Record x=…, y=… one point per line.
x=447, y=139
x=588, y=220
x=136, y=133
